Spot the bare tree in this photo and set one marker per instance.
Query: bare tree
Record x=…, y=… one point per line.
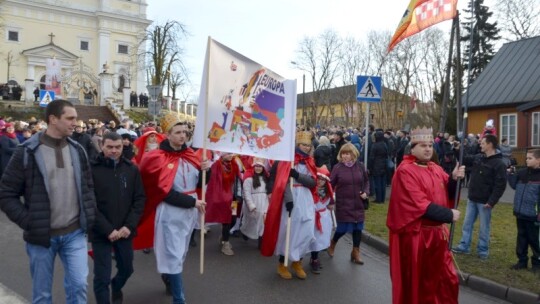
x=319, y=56
x=10, y=59
x=165, y=49
x=520, y=19
x=176, y=80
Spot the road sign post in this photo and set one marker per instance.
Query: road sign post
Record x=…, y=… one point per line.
x=368, y=89
x=154, y=91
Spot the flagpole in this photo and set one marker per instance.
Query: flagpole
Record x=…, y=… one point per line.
x=446, y=96
x=465, y=117
x=203, y=196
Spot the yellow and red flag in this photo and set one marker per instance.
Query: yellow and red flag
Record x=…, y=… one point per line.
x=421, y=14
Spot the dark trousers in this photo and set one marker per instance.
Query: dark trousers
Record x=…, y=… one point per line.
x=123, y=254
x=527, y=235
x=356, y=236
x=380, y=188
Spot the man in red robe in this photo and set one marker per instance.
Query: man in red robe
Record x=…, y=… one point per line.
x=421, y=265
x=171, y=176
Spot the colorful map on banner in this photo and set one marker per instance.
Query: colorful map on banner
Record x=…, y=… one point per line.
x=250, y=109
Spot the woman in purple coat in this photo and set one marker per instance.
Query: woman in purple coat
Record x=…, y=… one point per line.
x=351, y=186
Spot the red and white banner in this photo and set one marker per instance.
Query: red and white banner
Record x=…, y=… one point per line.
x=244, y=107
x=420, y=15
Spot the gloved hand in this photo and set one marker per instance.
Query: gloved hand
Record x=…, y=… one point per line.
x=289, y=206
x=293, y=173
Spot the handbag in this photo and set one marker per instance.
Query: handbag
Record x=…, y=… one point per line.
x=389, y=164
x=366, y=203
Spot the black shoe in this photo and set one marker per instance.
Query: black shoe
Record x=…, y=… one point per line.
x=315, y=266
x=147, y=250
x=245, y=237
x=167, y=283
x=117, y=297
x=518, y=266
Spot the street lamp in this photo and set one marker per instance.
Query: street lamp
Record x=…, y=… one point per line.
x=303, y=95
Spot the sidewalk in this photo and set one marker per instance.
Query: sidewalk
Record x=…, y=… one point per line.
x=7, y=296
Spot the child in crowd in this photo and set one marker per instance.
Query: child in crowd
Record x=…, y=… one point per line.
x=323, y=218
x=526, y=182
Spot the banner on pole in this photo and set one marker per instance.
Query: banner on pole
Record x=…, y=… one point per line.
x=245, y=107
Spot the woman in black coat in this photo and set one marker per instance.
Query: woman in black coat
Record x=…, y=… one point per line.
x=323, y=153
x=377, y=165
x=8, y=144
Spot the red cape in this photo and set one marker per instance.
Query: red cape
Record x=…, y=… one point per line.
x=219, y=196
x=158, y=169
x=421, y=266
x=273, y=215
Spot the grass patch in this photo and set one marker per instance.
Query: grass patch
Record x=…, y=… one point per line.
x=501, y=248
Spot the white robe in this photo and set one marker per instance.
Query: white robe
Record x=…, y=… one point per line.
x=253, y=221
x=302, y=221
x=174, y=225
x=322, y=239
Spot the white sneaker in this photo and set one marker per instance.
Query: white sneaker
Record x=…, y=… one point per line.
x=226, y=248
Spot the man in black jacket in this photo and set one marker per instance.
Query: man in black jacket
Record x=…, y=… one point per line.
x=52, y=172
x=85, y=140
x=487, y=185
x=120, y=204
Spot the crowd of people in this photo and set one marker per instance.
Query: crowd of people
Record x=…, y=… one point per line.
x=138, y=186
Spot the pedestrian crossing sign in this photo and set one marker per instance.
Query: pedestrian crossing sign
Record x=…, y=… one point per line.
x=368, y=88
x=45, y=97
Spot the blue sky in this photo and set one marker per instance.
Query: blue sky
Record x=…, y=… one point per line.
x=269, y=32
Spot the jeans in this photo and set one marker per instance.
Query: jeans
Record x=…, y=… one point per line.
x=473, y=211
x=73, y=253
x=123, y=254
x=380, y=188
x=177, y=288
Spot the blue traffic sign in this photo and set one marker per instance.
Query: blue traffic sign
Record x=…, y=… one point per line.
x=45, y=97
x=368, y=88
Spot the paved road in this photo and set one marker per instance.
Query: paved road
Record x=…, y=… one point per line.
x=244, y=278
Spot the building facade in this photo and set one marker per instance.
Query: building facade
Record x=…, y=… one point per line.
x=82, y=39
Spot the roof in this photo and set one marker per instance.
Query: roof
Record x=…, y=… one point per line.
x=339, y=95
x=512, y=76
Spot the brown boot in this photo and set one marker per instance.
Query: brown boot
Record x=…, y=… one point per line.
x=284, y=272
x=355, y=256
x=298, y=270
x=330, y=250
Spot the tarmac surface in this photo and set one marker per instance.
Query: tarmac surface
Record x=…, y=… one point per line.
x=249, y=278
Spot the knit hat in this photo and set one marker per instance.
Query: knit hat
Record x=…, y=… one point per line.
x=323, y=173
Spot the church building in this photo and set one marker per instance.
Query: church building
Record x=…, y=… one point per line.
x=73, y=47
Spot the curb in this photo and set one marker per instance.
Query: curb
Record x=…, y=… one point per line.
x=8, y=296
x=507, y=293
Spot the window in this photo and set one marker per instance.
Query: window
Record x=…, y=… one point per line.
x=13, y=36
x=509, y=128
x=536, y=129
x=122, y=49
x=84, y=45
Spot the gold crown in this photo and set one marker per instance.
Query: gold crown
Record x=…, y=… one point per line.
x=168, y=121
x=421, y=135
x=303, y=137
